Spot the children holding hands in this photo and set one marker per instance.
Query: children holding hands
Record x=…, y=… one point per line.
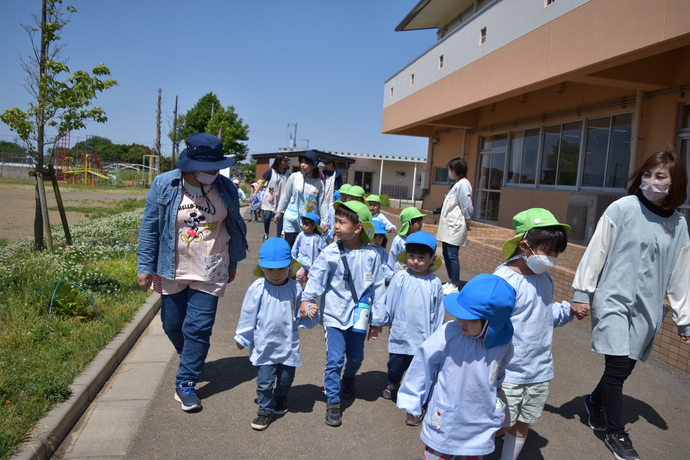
x=308, y=245
x=348, y=276
x=269, y=324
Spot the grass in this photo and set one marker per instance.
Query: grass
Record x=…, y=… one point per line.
x=91, y=211
x=40, y=355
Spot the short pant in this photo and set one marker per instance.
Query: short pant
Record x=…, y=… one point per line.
x=525, y=401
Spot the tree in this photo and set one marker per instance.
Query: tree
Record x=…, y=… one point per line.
x=11, y=147
x=233, y=131
x=197, y=118
x=60, y=101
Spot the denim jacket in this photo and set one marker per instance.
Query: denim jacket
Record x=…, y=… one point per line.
x=157, y=233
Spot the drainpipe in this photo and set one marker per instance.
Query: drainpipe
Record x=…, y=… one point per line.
x=634, y=144
x=464, y=142
x=380, y=177
x=429, y=164
x=414, y=183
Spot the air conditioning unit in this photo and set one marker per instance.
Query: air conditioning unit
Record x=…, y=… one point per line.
x=583, y=213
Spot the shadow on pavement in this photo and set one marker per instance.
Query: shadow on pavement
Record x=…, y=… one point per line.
x=532, y=449
x=633, y=410
x=225, y=374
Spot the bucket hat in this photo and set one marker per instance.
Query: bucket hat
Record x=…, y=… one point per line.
x=362, y=211
x=276, y=253
x=379, y=227
x=527, y=220
x=316, y=219
x=406, y=216
x=204, y=152
x=488, y=297
x=427, y=239
x=345, y=188
x=374, y=198
x=311, y=155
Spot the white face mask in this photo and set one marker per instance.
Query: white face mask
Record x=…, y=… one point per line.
x=539, y=263
x=653, y=190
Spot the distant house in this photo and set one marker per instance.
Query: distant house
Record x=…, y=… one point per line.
x=395, y=176
x=551, y=102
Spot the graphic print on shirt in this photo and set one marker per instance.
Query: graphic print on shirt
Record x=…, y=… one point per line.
x=193, y=233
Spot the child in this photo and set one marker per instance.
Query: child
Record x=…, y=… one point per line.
x=411, y=219
x=342, y=192
x=308, y=245
x=356, y=193
x=347, y=275
x=464, y=363
x=538, y=241
x=414, y=307
x=374, y=202
x=379, y=244
x=268, y=323
x=255, y=202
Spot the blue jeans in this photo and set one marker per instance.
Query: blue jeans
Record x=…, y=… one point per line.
x=397, y=365
x=268, y=376
x=452, y=261
x=188, y=318
x=268, y=217
x=341, y=343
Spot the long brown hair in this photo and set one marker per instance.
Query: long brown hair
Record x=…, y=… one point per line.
x=668, y=158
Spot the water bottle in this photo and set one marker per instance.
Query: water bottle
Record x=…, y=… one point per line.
x=362, y=314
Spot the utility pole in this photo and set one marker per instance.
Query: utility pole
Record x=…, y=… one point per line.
x=293, y=137
x=174, y=147
x=307, y=141
x=158, y=127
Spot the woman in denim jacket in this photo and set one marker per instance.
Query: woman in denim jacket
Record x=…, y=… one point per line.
x=192, y=236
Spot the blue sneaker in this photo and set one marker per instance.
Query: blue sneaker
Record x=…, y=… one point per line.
x=185, y=394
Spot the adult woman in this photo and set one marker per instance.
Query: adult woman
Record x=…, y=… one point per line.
x=303, y=194
x=456, y=215
x=192, y=236
x=640, y=251
x=274, y=182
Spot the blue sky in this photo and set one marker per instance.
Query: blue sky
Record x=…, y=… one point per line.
x=320, y=64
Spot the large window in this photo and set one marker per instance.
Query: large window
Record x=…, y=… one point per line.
x=492, y=160
x=524, y=150
x=683, y=147
x=363, y=179
x=607, y=152
x=561, y=151
x=441, y=176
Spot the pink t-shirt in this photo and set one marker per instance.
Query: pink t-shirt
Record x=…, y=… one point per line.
x=201, y=242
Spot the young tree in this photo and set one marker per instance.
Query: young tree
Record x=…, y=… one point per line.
x=233, y=130
x=60, y=101
x=198, y=116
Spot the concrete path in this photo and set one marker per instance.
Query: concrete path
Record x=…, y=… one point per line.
x=135, y=416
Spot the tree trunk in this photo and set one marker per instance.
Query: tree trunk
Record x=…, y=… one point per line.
x=38, y=222
x=61, y=206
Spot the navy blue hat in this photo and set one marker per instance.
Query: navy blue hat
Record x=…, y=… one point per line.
x=204, y=152
x=311, y=155
x=488, y=297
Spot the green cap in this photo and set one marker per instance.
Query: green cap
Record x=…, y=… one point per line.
x=362, y=211
x=527, y=220
x=345, y=188
x=374, y=198
x=406, y=216
x=357, y=191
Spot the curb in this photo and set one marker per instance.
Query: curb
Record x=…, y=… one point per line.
x=54, y=427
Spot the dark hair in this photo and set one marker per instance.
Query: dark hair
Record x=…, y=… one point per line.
x=277, y=161
x=349, y=214
x=549, y=239
x=416, y=219
x=307, y=220
x=419, y=249
x=459, y=167
x=668, y=158
x=315, y=174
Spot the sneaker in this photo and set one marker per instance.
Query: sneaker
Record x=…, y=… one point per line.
x=333, y=417
x=280, y=405
x=347, y=388
x=265, y=236
x=390, y=391
x=450, y=289
x=414, y=420
x=262, y=420
x=595, y=415
x=185, y=394
x=621, y=446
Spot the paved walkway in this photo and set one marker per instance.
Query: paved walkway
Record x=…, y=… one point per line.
x=135, y=416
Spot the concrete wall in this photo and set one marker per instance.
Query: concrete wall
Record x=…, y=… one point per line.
x=14, y=172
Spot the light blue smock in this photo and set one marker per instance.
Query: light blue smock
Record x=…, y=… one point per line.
x=307, y=248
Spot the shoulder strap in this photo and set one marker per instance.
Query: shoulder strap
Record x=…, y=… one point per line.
x=346, y=272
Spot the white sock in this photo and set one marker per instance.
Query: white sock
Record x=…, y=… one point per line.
x=511, y=447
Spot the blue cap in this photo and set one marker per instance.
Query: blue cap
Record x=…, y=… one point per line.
x=312, y=216
x=488, y=297
x=311, y=155
x=379, y=227
x=204, y=152
x=336, y=195
x=276, y=253
x=422, y=237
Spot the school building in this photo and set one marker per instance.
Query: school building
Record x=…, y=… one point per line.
x=396, y=176
x=552, y=103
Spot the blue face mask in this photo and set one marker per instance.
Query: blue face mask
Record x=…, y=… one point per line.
x=205, y=178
